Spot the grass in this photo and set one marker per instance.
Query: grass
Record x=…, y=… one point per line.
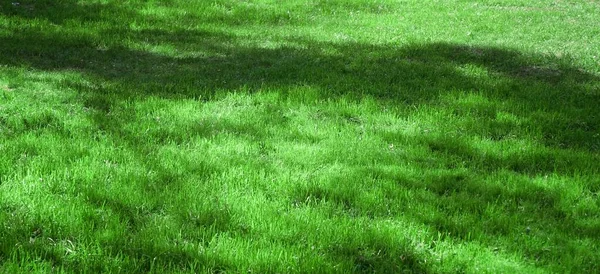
x=299, y=136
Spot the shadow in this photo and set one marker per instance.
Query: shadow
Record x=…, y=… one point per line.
x=225, y=13
x=135, y=250
x=545, y=92
x=62, y=11
x=378, y=255
x=461, y=207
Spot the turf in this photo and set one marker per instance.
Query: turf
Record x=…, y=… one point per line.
x=313, y=136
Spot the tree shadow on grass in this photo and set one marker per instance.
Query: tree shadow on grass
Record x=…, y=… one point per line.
x=62, y=11
x=549, y=93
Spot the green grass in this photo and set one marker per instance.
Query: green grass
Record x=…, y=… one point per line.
x=313, y=136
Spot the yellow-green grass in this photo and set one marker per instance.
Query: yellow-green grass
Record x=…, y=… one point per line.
x=300, y=136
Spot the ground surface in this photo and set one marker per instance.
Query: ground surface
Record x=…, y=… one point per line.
x=300, y=136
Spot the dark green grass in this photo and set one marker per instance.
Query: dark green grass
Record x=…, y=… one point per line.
x=305, y=136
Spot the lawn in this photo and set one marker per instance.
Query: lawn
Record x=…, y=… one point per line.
x=300, y=136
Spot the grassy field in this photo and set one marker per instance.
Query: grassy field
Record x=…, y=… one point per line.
x=300, y=136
